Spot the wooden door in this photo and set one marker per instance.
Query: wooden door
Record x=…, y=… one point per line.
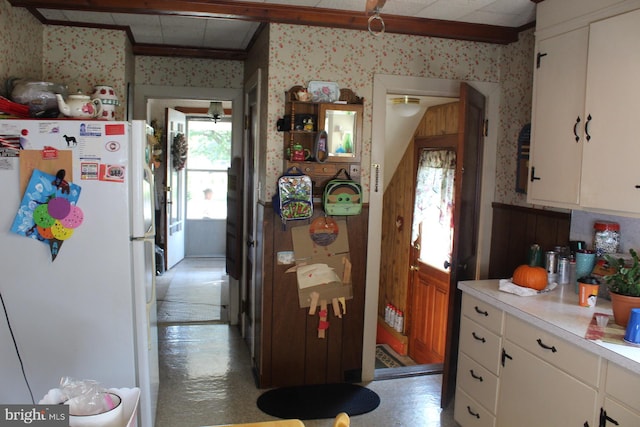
x=466, y=221
x=431, y=251
x=176, y=124
x=233, y=252
x=249, y=297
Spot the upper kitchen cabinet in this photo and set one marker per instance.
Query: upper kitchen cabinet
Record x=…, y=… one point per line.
x=558, y=115
x=582, y=150
x=610, y=172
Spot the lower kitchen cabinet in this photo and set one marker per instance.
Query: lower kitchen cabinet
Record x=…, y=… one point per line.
x=515, y=369
x=535, y=393
x=622, y=400
x=478, y=363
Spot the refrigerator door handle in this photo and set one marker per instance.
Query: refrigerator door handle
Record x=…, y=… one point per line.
x=142, y=238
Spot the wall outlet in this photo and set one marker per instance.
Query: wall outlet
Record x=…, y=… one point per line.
x=354, y=170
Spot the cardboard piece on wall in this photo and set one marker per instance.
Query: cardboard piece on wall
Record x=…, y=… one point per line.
x=34, y=159
x=335, y=255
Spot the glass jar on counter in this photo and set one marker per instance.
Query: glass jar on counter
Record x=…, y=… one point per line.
x=606, y=237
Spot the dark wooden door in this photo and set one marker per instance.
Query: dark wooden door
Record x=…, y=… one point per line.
x=466, y=220
x=249, y=294
x=234, y=219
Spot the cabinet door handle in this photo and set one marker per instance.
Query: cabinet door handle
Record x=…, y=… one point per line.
x=478, y=338
x=538, y=58
x=483, y=312
x=505, y=356
x=533, y=174
x=586, y=127
x=604, y=418
x=575, y=129
x=546, y=347
x=474, y=376
x=473, y=414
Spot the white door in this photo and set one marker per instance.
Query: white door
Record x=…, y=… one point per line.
x=176, y=131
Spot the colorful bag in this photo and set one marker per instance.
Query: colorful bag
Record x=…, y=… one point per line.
x=342, y=196
x=293, y=199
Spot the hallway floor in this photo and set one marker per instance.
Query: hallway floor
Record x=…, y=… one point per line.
x=206, y=379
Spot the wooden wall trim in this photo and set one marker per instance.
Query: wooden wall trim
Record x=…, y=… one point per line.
x=515, y=228
x=549, y=213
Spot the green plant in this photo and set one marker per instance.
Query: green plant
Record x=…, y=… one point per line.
x=626, y=279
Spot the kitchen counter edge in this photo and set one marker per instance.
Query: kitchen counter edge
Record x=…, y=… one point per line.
x=558, y=313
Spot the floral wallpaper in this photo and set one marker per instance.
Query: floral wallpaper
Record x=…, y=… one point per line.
x=190, y=72
x=20, y=44
x=516, y=77
x=328, y=54
x=85, y=57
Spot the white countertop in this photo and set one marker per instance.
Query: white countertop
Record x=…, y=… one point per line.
x=558, y=313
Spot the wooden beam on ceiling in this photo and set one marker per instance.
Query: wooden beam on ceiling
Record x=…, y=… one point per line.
x=285, y=14
x=200, y=110
x=188, y=52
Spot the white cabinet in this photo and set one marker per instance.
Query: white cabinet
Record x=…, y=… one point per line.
x=478, y=363
x=584, y=145
x=610, y=172
x=558, y=117
x=538, y=386
x=544, y=372
x=622, y=400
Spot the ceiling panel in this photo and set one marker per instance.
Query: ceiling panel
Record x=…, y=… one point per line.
x=166, y=28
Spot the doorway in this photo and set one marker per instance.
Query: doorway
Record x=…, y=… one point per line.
x=383, y=170
x=150, y=102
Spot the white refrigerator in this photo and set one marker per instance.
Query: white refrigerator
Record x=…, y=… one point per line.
x=78, y=291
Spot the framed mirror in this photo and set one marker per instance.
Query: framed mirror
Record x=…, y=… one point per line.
x=343, y=124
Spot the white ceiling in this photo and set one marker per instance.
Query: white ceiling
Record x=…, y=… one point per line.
x=215, y=33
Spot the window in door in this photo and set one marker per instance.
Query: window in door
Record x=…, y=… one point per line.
x=433, y=208
x=207, y=163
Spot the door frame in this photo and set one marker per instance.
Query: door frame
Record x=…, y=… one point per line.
x=143, y=93
x=384, y=85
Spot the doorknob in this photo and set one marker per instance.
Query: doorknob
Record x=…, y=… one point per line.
x=447, y=264
x=251, y=243
x=414, y=268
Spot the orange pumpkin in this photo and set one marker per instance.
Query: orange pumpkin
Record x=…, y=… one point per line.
x=530, y=277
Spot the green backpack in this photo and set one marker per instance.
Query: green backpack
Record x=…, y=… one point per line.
x=342, y=196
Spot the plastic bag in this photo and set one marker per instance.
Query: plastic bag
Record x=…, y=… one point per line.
x=86, y=397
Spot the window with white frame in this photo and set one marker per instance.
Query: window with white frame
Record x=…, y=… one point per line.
x=207, y=164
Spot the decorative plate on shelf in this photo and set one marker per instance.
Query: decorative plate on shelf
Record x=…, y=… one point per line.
x=324, y=91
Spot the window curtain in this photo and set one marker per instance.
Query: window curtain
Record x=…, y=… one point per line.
x=433, y=208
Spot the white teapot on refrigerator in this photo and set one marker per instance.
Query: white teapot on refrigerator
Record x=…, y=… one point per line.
x=80, y=105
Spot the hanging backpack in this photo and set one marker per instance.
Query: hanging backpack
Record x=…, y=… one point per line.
x=342, y=196
x=293, y=199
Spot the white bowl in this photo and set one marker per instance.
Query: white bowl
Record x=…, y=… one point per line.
x=111, y=418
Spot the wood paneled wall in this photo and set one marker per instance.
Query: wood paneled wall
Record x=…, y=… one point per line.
x=290, y=351
x=398, y=202
x=516, y=228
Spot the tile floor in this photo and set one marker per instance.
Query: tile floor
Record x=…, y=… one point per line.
x=206, y=379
